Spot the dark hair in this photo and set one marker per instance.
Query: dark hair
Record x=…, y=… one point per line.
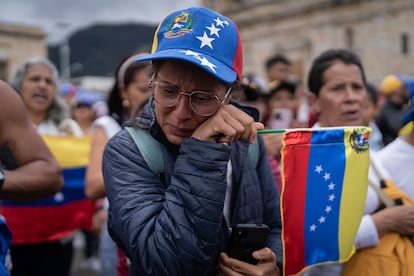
x=278, y=58
x=251, y=87
x=372, y=93
x=115, y=107
x=276, y=86
x=326, y=60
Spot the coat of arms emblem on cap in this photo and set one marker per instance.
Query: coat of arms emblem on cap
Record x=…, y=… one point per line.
x=179, y=26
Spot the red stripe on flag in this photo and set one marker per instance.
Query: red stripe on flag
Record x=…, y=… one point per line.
x=50, y=223
x=293, y=198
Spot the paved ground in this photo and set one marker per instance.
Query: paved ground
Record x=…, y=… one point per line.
x=79, y=266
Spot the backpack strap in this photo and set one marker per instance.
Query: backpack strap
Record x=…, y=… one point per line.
x=150, y=149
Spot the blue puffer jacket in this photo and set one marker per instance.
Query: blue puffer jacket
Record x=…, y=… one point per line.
x=174, y=224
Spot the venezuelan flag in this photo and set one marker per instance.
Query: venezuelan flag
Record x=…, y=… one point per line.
x=55, y=217
x=324, y=185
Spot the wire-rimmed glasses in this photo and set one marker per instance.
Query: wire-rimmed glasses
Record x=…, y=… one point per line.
x=201, y=102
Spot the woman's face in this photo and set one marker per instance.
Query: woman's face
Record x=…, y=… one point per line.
x=282, y=99
x=180, y=120
x=341, y=97
x=137, y=92
x=38, y=89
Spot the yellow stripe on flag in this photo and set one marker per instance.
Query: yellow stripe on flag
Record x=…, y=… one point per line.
x=68, y=150
x=356, y=174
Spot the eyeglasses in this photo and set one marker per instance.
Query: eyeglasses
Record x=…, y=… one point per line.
x=201, y=102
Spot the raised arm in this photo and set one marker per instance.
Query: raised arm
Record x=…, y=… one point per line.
x=31, y=170
x=94, y=185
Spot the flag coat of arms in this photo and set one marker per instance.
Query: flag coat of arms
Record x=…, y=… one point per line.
x=324, y=185
x=58, y=216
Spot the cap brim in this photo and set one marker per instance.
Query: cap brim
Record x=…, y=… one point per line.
x=203, y=61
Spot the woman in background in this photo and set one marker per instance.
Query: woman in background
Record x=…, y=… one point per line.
x=36, y=82
x=130, y=91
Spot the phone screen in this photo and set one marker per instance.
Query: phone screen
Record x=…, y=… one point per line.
x=246, y=238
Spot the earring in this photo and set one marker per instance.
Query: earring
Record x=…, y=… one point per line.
x=125, y=103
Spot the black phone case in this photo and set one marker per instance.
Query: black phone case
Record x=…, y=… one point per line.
x=246, y=238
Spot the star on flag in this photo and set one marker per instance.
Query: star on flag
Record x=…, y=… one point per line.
x=331, y=186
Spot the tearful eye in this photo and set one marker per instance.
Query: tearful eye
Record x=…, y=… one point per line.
x=202, y=98
x=169, y=91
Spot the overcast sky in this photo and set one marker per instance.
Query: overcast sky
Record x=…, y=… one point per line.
x=75, y=14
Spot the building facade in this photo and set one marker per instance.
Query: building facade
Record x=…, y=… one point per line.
x=17, y=43
x=380, y=31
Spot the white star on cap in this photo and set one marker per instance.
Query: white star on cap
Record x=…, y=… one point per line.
x=190, y=53
x=203, y=61
x=219, y=22
x=207, y=63
x=214, y=30
x=205, y=40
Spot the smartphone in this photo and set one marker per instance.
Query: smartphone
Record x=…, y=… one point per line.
x=280, y=118
x=246, y=238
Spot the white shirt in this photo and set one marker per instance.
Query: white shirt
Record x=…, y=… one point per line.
x=398, y=158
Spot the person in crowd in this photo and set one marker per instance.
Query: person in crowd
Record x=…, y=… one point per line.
x=178, y=222
x=278, y=68
x=282, y=106
x=129, y=92
x=398, y=156
x=395, y=88
x=281, y=114
x=83, y=113
x=337, y=84
x=369, y=112
x=28, y=169
x=36, y=82
x=252, y=93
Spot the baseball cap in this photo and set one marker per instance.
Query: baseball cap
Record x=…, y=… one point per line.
x=390, y=83
x=203, y=37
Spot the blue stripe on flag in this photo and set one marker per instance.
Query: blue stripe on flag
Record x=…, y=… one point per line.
x=323, y=196
x=73, y=190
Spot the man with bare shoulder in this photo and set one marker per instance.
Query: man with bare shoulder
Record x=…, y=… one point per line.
x=31, y=170
x=28, y=169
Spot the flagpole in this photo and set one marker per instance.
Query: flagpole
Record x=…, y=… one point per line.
x=268, y=131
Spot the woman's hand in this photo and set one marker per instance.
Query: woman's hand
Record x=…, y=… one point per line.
x=266, y=264
x=398, y=219
x=229, y=124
